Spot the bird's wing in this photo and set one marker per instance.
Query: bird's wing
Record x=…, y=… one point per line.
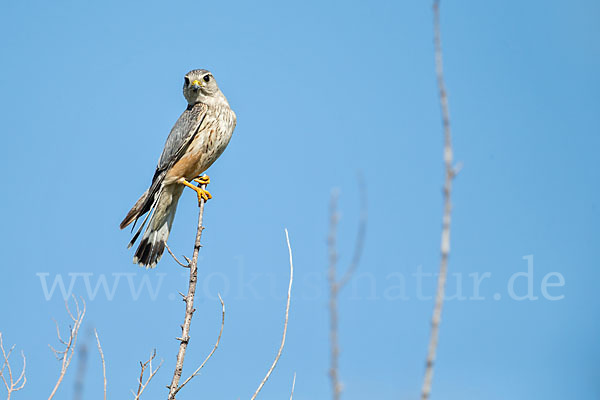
x=181, y=136
x=178, y=141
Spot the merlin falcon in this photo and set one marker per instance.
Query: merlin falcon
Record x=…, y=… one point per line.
x=198, y=138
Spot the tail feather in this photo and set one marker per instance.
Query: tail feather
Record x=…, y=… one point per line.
x=154, y=240
x=135, y=212
x=150, y=250
x=151, y=208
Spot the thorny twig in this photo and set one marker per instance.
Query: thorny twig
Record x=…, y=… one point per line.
x=211, y=353
x=450, y=173
x=10, y=384
x=189, y=305
x=285, y=324
x=66, y=355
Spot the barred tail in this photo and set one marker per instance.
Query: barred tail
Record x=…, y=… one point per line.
x=155, y=237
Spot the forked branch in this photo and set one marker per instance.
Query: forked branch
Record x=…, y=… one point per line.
x=10, y=384
x=151, y=372
x=66, y=354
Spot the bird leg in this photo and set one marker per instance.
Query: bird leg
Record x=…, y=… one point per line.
x=202, y=193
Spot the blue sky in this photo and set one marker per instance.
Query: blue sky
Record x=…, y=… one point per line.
x=322, y=90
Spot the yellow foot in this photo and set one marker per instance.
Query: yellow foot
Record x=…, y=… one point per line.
x=203, y=180
x=203, y=194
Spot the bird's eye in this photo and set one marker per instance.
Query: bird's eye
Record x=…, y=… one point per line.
x=206, y=78
x=187, y=81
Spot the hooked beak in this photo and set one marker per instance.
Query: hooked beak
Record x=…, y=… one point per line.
x=196, y=84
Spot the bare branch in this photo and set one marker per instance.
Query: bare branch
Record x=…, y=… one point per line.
x=360, y=235
x=211, y=353
x=175, y=258
x=103, y=363
x=189, y=304
x=67, y=354
x=333, y=295
x=22, y=375
x=293, y=386
x=148, y=364
x=285, y=324
x=143, y=368
x=336, y=285
x=60, y=339
x=450, y=172
x=6, y=356
x=11, y=385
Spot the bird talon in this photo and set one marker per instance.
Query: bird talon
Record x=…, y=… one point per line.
x=203, y=194
x=203, y=180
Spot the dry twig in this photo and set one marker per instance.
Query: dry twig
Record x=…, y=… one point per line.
x=450, y=173
x=66, y=355
x=103, y=363
x=333, y=296
x=336, y=285
x=10, y=384
x=293, y=386
x=285, y=324
x=211, y=353
x=141, y=384
x=177, y=260
x=189, y=305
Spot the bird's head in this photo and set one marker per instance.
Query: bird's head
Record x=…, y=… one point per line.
x=199, y=86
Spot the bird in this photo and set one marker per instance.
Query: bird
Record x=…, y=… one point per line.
x=197, y=139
